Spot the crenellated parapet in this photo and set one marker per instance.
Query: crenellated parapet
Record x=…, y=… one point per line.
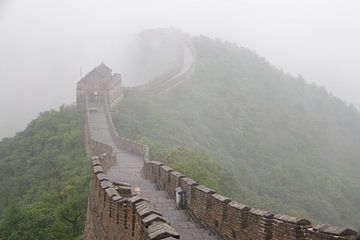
x=227, y=218
x=179, y=73
x=123, y=216
x=116, y=212
x=118, y=216
x=232, y=220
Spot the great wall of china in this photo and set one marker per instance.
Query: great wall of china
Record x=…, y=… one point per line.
x=133, y=197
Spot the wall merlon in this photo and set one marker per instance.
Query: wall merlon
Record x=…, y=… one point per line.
x=334, y=230
x=160, y=230
x=189, y=181
x=96, y=162
x=146, y=211
x=98, y=169
x=204, y=189
x=153, y=218
x=135, y=199
x=293, y=220
x=260, y=212
x=105, y=184
x=139, y=205
x=112, y=193
x=239, y=206
x=177, y=174
x=157, y=163
x=101, y=177
x=220, y=198
x=166, y=168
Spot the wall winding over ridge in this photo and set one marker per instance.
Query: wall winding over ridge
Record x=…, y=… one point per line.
x=226, y=217
x=114, y=213
x=179, y=73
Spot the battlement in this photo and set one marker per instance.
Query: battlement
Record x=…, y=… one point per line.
x=115, y=212
x=228, y=218
x=127, y=217
x=112, y=215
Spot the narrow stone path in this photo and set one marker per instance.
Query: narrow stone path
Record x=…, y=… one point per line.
x=129, y=169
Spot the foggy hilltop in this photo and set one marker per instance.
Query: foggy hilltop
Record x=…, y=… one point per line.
x=44, y=44
x=241, y=124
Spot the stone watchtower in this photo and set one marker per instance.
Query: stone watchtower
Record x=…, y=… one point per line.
x=102, y=83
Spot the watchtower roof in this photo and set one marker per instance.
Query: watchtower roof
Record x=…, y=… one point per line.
x=103, y=70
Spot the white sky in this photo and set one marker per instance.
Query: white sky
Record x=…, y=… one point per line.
x=43, y=43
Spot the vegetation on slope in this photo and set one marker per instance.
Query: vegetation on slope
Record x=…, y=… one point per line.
x=292, y=147
x=44, y=178
x=193, y=163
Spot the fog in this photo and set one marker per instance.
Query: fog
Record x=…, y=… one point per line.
x=46, y=45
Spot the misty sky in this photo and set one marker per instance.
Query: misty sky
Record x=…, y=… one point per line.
x=43, y=43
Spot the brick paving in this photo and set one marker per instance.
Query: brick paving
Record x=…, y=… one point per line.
x=129, y=169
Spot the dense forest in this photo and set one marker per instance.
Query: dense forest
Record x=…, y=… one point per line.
x=282, y=144
x=44, y=178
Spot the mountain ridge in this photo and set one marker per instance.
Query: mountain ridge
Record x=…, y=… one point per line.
x=281, y=137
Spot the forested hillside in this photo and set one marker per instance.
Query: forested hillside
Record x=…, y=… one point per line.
x=44, y=178
x=285, y=145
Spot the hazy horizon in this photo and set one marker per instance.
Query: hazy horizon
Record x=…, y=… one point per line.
x=43, y=44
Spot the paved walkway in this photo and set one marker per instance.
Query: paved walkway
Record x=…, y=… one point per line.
x=128, y=169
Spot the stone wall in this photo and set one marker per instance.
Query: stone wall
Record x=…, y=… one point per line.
x=178, y=74
x=227, y=218
x=233, y=220
x=112, y=216
x=116, y=216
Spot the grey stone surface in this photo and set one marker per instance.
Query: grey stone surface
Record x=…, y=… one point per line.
x=129, y=169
